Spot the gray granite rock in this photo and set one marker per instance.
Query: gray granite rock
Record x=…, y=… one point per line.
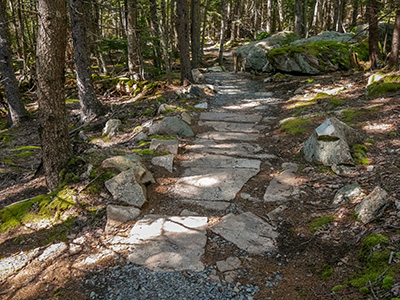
x=373, y=206
x=111, y=128
x=165, y=161
x=118, y=214
x=170, y=146
x=125, y=188
x=171, y=126
x=348, y=194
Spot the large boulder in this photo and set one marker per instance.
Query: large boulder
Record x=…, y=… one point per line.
x=171, y=126
x=254, y=54
x=330, y=143
x=383, y=83
x=326, y=52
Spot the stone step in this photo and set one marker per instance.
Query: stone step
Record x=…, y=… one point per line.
x=212, y=184
x=235, y=127
x=230, y=149
x=230, y=117
x=199, y=160
x=229, y=136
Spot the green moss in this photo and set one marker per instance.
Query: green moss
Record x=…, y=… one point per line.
x=364, y=290
x=337, y=102
x=23, y=154
x=262, y=35
x=321, y=96
x=370, y=140
x=97, y=185
x=359, y=153
x=144, y=143
x=22, y=148
x=321, y=222
x=38, y=208
x=351, y=115
x=143, y=151
x=309, y=80
x=337, y=53
x=70, y=100
x=337, y=288
x=327, y=272
x=387, y=282
x=295, y=126
x=382, y=88
x=148, y=112
x=362, y=50
x=393, y=133
x=391, y=78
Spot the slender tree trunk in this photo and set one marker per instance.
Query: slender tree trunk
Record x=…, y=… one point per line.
x=195, y=31
x=183, y=40
x=91, y=108
x=355, y=13
x=222, y=35
x=373, y=34
x=299, y=18
x=165, y=41
x=155, y=28
x=315, y=17
x=203, y=32
x=56, y=146
x=394, y=55
x=16, y=109
x=280, y=11
x=268, y=22
x=134, y=53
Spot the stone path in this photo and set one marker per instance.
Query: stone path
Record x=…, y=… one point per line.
x=218, y=163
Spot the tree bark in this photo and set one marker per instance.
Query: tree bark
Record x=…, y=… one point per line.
x=134, y=51
x=394, y=54
x=16, y=109
x=373, y=34
x=165, y=41
x=195, y=32
x=91, y=108
x=52, y=38
x=222, y=35
x=183, y=40
x=156, y=33
x=299, y=18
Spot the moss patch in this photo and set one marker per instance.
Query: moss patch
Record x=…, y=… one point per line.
x=327, y=272
x=38, y=208
x=321, y=222
x=97, y=184
x=359, y=153
x=351, y=115
x=295, y=126
x=382, y=88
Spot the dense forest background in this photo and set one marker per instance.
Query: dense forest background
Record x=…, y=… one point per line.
x=150, y=39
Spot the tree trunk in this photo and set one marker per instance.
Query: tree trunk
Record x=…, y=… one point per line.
x=268, y=22
x=52, y=37
x=222, y=35
x=394, y=55
x=156, y=33
x=203, y=32
x=165, y=41
x=16, y=109
x=299, y=18
x=373, y=34
x=195, y=32
x=182, y=24
x=91, y=108
x=134, y=53
x=355, y=13
x=280, y=11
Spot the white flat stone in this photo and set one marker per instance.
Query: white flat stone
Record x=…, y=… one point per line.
x=248, y=232
x=231, y=149
x=212, y=184
x=230, y=117
x=226, y=136
x=219, y=161
x=228, y=126
x=168, y=243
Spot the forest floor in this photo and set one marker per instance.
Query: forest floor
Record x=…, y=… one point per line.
x=318, y=247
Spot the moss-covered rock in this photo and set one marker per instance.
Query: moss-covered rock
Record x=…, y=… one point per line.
x=381, y=84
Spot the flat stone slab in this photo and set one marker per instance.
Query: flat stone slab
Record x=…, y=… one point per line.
x=226, y=136
x=118, y=214
x=125, y=188
x=212, y=205
x=197, y=160
x=248, y=232
x=212, y=184
x=169, y=243
x=283, y=186
x=230, y=117
x=170, y=146
x=165, y=161
x=232, y=149
x=228, y=126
